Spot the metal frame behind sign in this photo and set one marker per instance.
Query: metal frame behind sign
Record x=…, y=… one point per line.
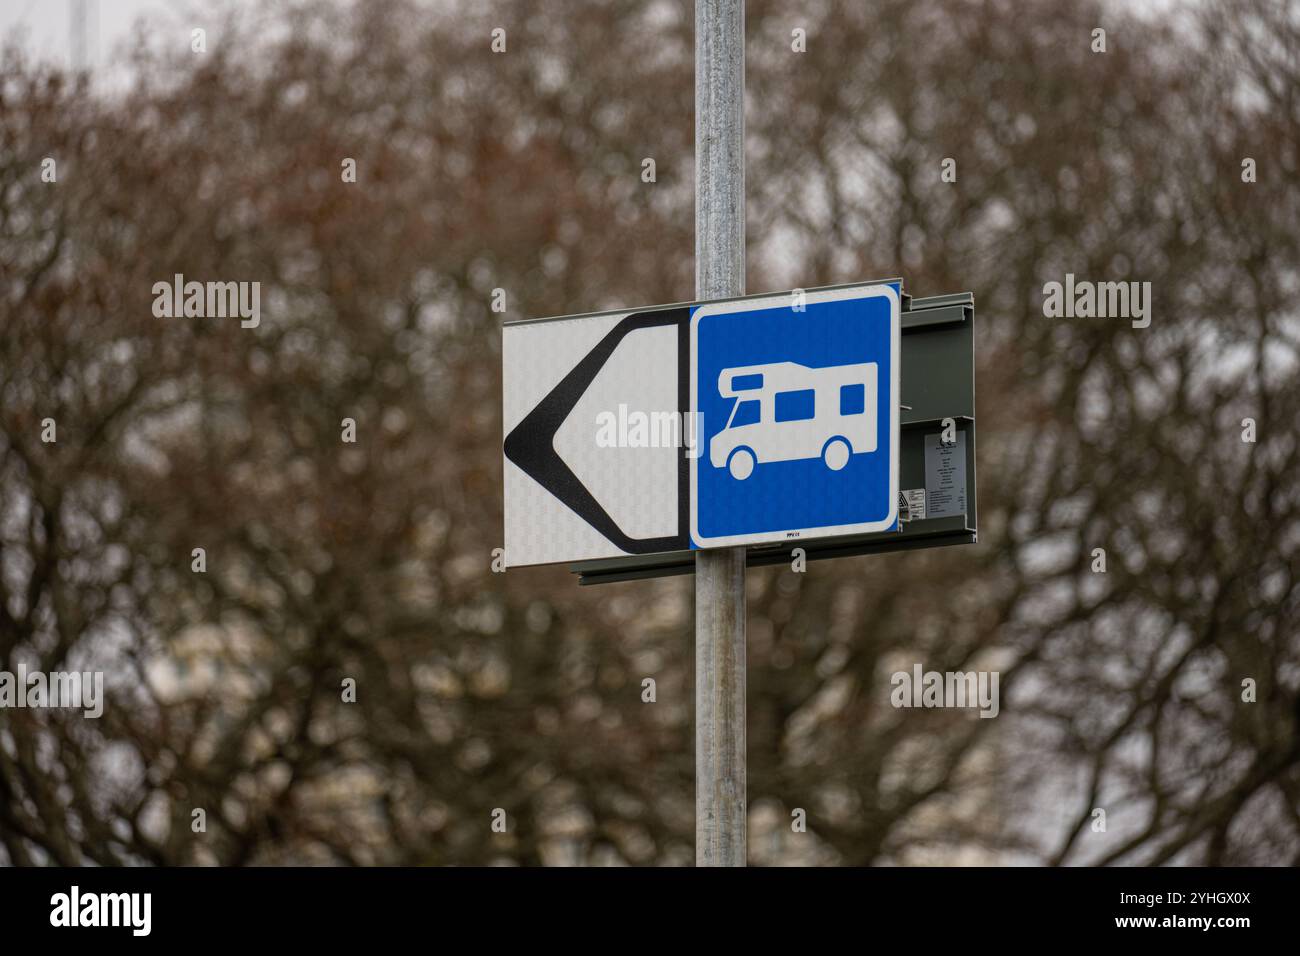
x=938, y=383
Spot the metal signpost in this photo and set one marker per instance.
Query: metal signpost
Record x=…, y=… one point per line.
x=720, y=800
x=734, y=431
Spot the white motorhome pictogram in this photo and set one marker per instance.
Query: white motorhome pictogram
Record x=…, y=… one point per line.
x=785, y=411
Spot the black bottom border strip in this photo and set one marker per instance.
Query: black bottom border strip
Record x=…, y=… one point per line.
x=594, y=908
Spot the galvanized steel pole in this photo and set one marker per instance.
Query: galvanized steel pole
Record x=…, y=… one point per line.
x=720, y=803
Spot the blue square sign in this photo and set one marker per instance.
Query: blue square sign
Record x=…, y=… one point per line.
x=795, y=407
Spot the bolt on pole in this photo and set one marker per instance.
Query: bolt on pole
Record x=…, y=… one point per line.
x=720, y=801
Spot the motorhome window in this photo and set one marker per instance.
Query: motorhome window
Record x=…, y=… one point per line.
x=853, y=399
x=795, y=406
x=747, y=413
x=746, y=383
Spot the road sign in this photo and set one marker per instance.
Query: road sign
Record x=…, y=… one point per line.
x=796, y=402
x=595, y=460
x=612, y=423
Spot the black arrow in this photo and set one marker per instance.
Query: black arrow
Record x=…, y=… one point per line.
x=531, y=445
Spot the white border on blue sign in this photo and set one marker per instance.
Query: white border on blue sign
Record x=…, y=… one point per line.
x=794, y=535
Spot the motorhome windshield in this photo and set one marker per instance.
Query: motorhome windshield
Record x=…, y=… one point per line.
x=744, y=412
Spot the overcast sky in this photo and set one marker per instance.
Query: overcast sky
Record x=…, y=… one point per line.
x=48, y=34
x=46, y=23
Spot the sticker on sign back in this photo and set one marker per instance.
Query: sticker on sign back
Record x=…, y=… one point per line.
x=911, y=505
x=945, y=476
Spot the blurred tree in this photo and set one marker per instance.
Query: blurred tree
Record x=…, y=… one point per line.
x=520, y=171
